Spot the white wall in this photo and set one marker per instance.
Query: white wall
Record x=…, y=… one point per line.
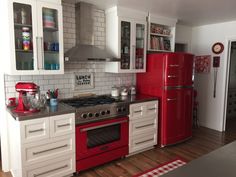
x=211, y=110
x=184, y=35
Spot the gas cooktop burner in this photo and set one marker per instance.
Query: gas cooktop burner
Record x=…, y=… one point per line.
x=90, y=101
x=91, y=109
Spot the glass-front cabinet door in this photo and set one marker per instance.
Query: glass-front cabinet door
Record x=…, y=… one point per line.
x=125, y=45
x=24, y=33
x=50, y=36
x=140, y=50
x=132, y=46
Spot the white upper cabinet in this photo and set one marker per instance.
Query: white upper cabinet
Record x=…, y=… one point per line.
x=161, y=34
x=35, y=30
x=126, y=32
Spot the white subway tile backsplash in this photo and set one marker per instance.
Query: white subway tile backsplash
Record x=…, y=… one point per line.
x=11, y=89
x=12, y=78
x=10, y=84
x=26, y=78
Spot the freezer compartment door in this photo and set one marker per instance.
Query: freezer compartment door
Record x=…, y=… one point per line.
x=176, y=119
x=178, y=69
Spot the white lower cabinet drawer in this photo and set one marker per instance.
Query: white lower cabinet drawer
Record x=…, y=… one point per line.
x=141, y=142
x=45, y=150
x=52, y=168
x=34, y=130
x=136, y=110
x=147, y=124
x=151, y=108
x=62, y=125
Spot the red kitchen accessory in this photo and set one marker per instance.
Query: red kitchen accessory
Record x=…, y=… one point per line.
x=23, y=104
x=11, y=102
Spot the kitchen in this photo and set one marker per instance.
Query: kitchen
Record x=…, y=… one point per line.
x=104, y=81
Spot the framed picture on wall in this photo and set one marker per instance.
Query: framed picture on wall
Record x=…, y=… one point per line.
x=202, y=64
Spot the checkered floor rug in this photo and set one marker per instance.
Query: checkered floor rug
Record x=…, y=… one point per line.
x=163, y=168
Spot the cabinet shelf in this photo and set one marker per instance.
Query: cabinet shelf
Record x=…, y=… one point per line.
x=158, y=50
x=125, y=38
x=162, y=35
x=50, y=29
x=19, y=25
x=24, y=51
x=51, y=52
x=139, y=38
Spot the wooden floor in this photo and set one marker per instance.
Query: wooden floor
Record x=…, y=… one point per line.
x=203, y=141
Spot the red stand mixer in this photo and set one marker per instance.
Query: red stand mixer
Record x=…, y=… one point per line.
x=23, y=88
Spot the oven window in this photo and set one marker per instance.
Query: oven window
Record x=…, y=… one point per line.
x=103, y=135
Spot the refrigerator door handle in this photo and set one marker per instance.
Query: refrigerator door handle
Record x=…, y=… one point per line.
x=171, y=76
x=174, y=65
x=171, y=99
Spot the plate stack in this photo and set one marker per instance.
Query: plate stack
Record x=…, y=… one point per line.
x=48, y=18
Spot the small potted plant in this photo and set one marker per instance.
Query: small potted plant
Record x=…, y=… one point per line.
x=53, y=94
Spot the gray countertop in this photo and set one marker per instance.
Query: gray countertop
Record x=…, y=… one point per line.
x=218, y=163
x=138, y=98
x=65, y=109
x=46, y=112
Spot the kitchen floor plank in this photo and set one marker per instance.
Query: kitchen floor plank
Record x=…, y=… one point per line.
x=204, y=140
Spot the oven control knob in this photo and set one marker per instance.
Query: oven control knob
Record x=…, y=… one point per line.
x=84, y=116
x=118, y=109
x=108, y=111
x=90, y=114
x=96, y=114
x=103, y=112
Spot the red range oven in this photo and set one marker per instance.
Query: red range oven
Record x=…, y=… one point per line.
x=102, y=130
x=100, y=142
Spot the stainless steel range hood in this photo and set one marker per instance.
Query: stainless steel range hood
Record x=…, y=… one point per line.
x=85, y=50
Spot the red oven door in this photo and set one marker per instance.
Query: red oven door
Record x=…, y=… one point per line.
x=96, y=138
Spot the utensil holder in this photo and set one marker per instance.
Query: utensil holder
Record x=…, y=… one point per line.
x=53, y=102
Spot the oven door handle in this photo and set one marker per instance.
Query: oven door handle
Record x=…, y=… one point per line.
x=101, y=126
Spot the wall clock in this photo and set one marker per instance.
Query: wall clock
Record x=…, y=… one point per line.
x=217, y=48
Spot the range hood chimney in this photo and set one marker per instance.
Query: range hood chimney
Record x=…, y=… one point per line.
x=85, y=50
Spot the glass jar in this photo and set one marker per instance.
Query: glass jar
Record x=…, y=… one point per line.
x=23, y=16
x=26, y=38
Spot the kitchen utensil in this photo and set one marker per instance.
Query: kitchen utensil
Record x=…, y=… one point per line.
x=52, y=93
x=124, y=91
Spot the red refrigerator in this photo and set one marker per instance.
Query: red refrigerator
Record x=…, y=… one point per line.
x=169, y=77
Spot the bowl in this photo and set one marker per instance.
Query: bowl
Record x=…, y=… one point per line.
x=31, y=103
